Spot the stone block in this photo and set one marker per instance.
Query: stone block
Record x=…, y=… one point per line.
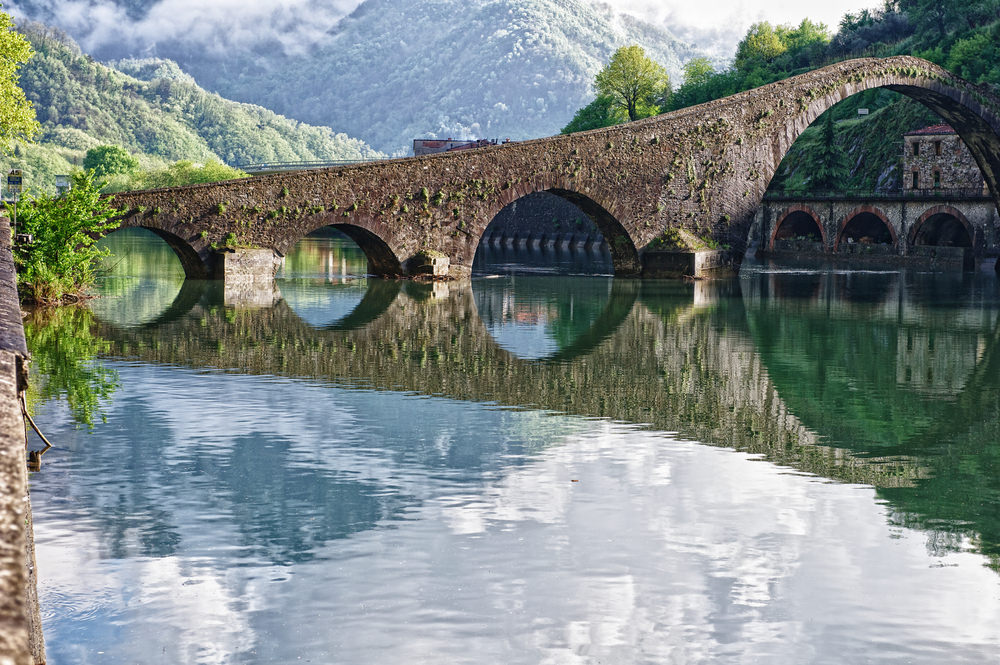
x=665, y=264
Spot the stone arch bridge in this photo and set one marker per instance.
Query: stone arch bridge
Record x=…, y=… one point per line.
x=701, y=170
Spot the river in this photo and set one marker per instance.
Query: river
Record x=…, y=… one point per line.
x=794, y=466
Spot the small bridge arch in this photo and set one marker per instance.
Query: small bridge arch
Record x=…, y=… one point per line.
x=865, y=224
x=798, y=221
x=943, y=225
x=598, y=206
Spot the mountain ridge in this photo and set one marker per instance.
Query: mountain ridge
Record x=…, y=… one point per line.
x=394, y=70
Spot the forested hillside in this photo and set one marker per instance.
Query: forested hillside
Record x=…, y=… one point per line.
x=155, y=111
x=963, y=37
x=395, y=70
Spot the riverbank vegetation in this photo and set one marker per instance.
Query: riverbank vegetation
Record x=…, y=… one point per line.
x=963, y=37
x=61, y=260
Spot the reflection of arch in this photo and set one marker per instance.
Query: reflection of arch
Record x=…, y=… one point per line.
x=864, y=220
x=798, y=218
x=620, y=302
x=621, y=299
x=191, y=293
x=942, y=225
x=379, y=295
x=593, y=203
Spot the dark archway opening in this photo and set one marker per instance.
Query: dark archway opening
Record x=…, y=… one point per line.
x=799, y=225
x=943, y=230
x=866, y=228
x=543, y=233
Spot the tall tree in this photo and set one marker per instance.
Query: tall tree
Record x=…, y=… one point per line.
x=831, y=171
x=17, y=115
x=635, y=83
x=761, y=45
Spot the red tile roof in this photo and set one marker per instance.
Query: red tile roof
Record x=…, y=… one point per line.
x=932, y=130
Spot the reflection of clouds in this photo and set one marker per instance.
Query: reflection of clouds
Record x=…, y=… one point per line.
x=663, y=551
x=187, y=612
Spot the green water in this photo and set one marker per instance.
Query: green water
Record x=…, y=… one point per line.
x=789, y=467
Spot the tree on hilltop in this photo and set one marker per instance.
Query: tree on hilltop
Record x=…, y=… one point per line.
x=635, y=83
x=108, y=160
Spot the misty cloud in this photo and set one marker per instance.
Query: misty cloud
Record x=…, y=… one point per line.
x=106, y=27
x=120, y=28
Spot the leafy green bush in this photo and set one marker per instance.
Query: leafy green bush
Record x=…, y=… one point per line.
x=106, y=160
x=62, y=259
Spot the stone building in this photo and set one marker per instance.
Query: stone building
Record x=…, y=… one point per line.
x=935, y=158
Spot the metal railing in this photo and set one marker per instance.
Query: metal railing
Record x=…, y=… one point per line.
x=271, y=167
x=965, y=193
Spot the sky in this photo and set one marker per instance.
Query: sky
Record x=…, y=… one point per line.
x=716, y=27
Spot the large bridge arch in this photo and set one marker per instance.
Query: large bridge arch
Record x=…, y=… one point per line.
x=775, y=115
x=196, y=264
x=599, y=206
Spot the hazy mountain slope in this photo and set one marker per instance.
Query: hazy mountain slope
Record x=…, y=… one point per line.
x=158, y=113
x=393, y=70
x=399, y=69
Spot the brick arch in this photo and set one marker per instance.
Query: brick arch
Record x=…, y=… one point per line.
x=859, y=211
x=911, y=237
x=599, y=206
x=798, y=208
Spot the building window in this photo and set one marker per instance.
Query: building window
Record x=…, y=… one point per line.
x=937, y=180
x=916, y=148
x=937, y=148
x=916, y=181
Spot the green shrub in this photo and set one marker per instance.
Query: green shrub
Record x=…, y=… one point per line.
x=61, y=261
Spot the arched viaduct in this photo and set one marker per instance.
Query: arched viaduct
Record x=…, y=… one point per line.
x=703, y=170
x=935, y=229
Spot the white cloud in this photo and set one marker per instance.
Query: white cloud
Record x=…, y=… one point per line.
x=297, y=24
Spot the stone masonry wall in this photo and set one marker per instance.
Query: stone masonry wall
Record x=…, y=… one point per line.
x=20, y=621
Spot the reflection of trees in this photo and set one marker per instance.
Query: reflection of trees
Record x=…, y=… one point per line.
x=63, y=347
x=920, y=381
x=812, y=382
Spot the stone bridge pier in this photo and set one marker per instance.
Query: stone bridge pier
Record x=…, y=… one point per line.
x=658, y=189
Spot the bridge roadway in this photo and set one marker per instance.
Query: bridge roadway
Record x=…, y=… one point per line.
x=702, y=170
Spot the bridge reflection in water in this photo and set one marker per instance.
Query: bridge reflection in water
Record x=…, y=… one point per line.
x=886, y=379
x=393, y=464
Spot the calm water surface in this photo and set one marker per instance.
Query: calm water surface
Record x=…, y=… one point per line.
x=791, y=467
